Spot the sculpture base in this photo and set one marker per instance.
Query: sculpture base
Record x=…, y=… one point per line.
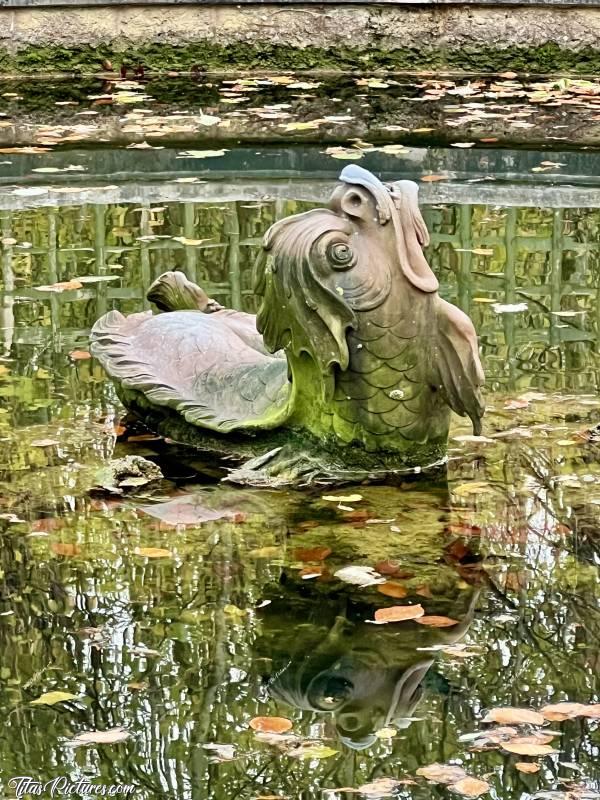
x=285, y=457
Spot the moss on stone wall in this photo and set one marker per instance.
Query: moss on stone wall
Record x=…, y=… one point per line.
x=549, y=58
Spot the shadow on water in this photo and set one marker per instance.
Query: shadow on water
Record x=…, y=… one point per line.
x=182, y=610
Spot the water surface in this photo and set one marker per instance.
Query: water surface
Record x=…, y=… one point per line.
x=182, y=611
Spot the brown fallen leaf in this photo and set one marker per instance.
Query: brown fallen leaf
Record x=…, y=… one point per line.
x=423, y=591
x=558, y=712
x=442, y=773
x=470, y=787
x=527, y=766
x=65, y=549
x=270, y=724
x=398, y=613
x=312, y=553
x=393, y=568
x=514, y=716
x=528, y=749
x=392, y=589
x=79, y=355
x=437, y=622
x=306, y=573
x=153, y=552
x=433, y=178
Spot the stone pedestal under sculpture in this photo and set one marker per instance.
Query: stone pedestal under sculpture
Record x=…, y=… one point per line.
x=350, y=369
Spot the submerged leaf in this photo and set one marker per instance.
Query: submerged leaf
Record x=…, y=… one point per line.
x=437, y=622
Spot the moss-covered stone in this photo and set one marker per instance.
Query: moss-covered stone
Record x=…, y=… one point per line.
x=206, y=56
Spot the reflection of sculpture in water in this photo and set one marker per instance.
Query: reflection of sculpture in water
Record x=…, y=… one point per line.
x=368, y=359
x=366, y=676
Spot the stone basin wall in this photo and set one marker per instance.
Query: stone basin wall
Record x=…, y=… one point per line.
x=62, y=36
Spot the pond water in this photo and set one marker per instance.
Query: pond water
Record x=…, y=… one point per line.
x=181, y=613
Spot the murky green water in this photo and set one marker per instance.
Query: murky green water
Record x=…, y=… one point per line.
x=183, y=622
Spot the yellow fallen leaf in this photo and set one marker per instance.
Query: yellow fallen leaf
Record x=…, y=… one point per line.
x=51, y=698
x=341, y=498
x=153, y=552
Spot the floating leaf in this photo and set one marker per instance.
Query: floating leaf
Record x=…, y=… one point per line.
x=312, y=553
x=433, y=178
x=222, y=752
x=525, y=749
x=359, y=576
x=62, y=286
x=44, y=443
x=527, y=766
x=514, y=716
x=111, y=736
x=398, y=614
x=558, y=712
x=51, y=698
x=343, y=498
x=79, y=355
x=442, y=773
x=201, y=153
x=386, y=733
x=270, y=724
x=381, y=787
x=437, y=622
x=393, y=589
x=470, y=787
x=189, y=242
x=153, y=552
x=475, y=487
x=316, y=751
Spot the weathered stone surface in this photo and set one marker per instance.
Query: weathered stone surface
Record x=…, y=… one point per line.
x=400, y=36
x=352, y=347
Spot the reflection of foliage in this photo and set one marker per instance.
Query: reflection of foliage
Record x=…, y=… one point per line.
x=77, y=622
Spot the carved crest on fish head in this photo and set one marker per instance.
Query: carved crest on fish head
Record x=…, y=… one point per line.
x=325, y=265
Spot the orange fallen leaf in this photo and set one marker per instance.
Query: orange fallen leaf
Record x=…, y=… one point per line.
x=79, y=355
x=527, y=766
x=470, y=787
x=392, y=589
x=119, y=430
x=65, y=549
x=437, y=622
x=509, y=715
x=270, y=724
x=398, y=613
x=432, y=178
x=528, y=749
x=312, y=553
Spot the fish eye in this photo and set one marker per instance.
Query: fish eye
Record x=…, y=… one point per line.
x=340, y=255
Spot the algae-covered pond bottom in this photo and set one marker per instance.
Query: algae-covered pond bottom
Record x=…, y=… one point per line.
x=174, y=615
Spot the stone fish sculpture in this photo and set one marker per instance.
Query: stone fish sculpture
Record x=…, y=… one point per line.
x=349, y=370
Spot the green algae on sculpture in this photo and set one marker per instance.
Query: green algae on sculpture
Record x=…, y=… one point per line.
x=353, y=360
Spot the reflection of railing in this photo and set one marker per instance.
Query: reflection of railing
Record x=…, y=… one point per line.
x=546, y=258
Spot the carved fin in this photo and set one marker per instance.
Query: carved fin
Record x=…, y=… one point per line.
x=457, y=370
